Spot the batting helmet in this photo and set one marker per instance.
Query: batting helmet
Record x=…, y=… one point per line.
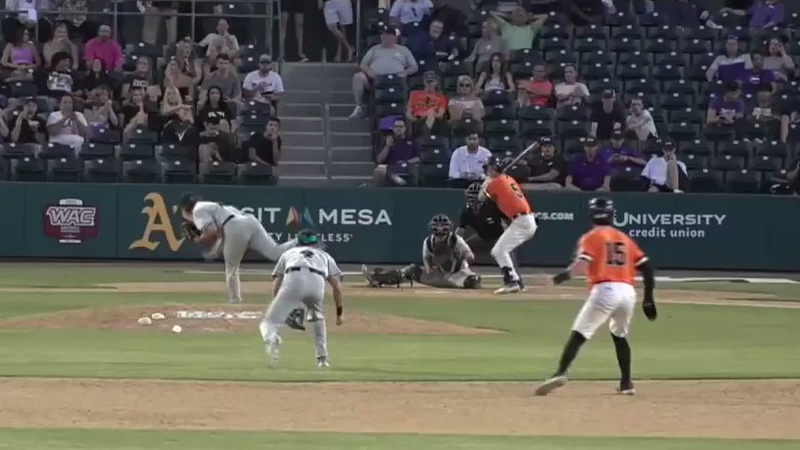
x=307, y=237
x=601, y=210
x=495, y=163
x=440, y=226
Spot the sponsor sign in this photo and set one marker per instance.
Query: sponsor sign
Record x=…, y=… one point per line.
x=70, y=221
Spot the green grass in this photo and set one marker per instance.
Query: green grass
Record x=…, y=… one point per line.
x=208, y=440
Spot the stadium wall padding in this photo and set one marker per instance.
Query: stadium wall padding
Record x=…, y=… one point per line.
x=138, y=221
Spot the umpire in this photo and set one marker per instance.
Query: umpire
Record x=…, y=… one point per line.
x=486, y=222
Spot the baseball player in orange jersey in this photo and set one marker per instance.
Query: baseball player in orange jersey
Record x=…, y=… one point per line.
x=610, y=259
x=521, y=224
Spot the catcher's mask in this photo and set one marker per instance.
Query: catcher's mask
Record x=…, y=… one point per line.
x=307, y=237
x=188, y=201
x=472, y=195
x=601, y=210
x=441, y=227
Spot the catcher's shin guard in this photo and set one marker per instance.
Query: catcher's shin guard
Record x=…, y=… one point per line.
x=412, y=272
x=472, y=282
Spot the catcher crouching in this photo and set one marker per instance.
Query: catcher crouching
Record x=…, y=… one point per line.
x=445, y=255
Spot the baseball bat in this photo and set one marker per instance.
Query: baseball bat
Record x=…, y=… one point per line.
x=522, y=154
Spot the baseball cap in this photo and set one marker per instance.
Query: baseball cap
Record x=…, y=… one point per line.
x=429, y=75
x=590, y=142
x=608, y=93
x=265, y=58
x=617, y=134
x=546, y=140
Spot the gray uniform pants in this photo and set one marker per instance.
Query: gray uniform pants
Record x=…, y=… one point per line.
x=240, y=234
x=446, y=280
x=298, y=289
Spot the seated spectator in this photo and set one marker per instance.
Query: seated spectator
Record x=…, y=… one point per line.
x=426, y=107
x=405, y=13
x=74, y=13
x=467, y=161
x=225, y=78
x=490, y=43
x=789, y=116
x=215, y=142
x=136, y=113
x=67, y=126
x=607, y=116
x=99, y=110
x=765, y=114
x=465, y=104
x=96, y=76
x=386, y=58
x=265, y=148
x=434, y=45
x=20, y=57
x=217, y=106
x=58, y=78
x=640, y=123
x=518, y=33
x=726, y=110
x=173, y=77
x=28, y=127
x=263, y=85
x=496, y=76
x=180, y=129
x=538, y=90
x=589, y=171
x=570, y=92
x=58, y=44
x=757, y=78
x=665, y=173
x=141, y=78
x=586, y=12
x=730, y=66
x=396, y=150
x=621, y=155
x=188, y=64
x=104, y=48
x=548, y=170
x=222, y=40
x=453, y=20
x=778, y=61
x=763, y=13
x=789, y=184
x=171, y=103
x=209, y=64
x=683, y=13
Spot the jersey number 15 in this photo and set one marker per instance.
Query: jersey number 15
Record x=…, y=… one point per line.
x=615, y=254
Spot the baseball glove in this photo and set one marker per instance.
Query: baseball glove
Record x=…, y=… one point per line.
x=379, y=278
x=296, y=319
x=649, y=309
x=190, y=231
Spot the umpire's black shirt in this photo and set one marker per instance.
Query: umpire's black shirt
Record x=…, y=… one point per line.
x=487, y=221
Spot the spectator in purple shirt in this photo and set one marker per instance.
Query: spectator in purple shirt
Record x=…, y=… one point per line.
x=763, y=13
x=434, y=44
x=726, y=110
x=730, y=66
x=757, y=78
x=396, y=150
x=683, y=13
x=619, y=154
x=589, y=171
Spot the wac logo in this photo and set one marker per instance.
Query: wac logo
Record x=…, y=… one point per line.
x=159, y=221
x=70, y=221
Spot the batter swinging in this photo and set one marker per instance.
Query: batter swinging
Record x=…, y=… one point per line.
x=235, y=232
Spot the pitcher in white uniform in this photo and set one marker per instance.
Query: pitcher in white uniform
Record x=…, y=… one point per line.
x=235, y=232
x=300, y=277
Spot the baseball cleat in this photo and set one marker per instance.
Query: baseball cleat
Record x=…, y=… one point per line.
x=551, y=384
x=626, y=389
x=273, y=352
x=322, y=362
x=508, y=288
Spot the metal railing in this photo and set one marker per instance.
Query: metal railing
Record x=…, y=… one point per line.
x=358, y=29
x=326, y=116
x=111, y=12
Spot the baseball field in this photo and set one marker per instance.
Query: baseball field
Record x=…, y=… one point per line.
x=411, y=368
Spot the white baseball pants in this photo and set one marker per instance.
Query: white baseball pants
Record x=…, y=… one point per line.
x=519, y=231
x=611, y=301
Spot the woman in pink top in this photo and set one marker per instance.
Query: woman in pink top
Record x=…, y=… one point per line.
x=19, y=57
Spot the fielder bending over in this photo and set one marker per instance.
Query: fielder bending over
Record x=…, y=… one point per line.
x=223, y=226
x=300, y=277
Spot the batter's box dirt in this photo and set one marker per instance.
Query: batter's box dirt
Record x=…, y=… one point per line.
x=226, y=319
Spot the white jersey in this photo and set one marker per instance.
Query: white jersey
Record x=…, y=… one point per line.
x=205, y=213
x=315, y=260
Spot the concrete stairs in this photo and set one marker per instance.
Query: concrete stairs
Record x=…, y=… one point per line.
x=305, y=160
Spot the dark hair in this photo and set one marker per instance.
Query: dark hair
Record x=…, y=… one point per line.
x=731, y=86
x=223, y=57
x=17, y=36
x=58, y=57
x=65, y=94
x=217, y=88
x=489, y=67
x=274, y=120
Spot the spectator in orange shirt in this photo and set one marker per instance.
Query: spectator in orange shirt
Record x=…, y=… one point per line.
x=538, y=90
x=427, y=106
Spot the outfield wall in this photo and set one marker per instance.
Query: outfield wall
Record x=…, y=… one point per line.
x=129, y=221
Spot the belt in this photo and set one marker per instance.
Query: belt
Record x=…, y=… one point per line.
x=227, y=220
x=310, y=269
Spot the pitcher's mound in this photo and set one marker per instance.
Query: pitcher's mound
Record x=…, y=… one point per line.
x=227, y=319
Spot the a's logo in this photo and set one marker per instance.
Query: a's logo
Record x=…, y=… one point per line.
x=71, y=222
x=158, y=221
x=295, y=221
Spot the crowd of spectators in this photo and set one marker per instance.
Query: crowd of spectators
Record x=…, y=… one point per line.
x=217, y=99
x=614, y=87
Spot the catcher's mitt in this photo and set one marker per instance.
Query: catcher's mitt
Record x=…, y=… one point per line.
x=379, y=277
x=296, y=319
x=649, y=308
x=190, y=231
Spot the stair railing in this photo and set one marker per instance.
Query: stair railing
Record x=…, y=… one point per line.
x=326, y=114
